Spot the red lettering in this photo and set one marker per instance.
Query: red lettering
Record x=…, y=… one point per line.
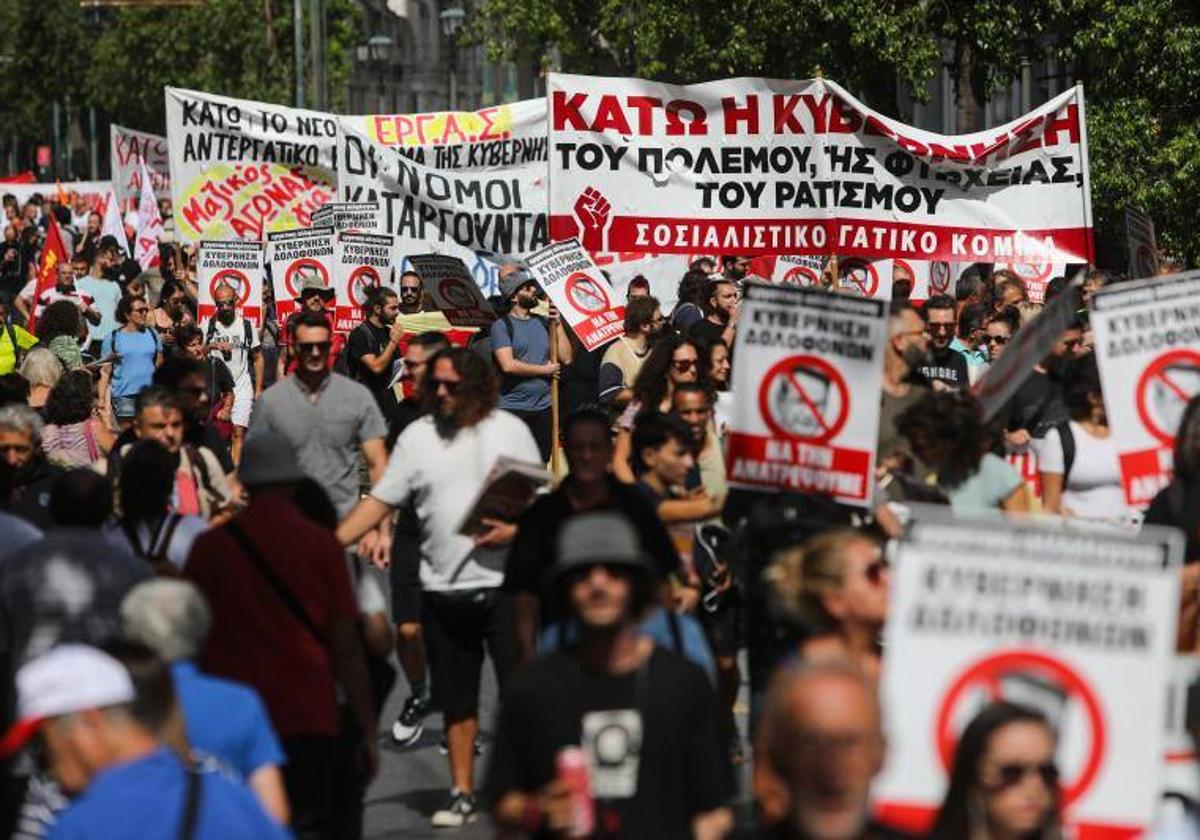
x=565, y=111
x=819, y=108
x=422, y=121
x=956, y=153
x=609, y=116
x=845, y=120
x=485, y=115
x=696, y=126
x=452, y=127
x=735, y=114
x=878, y=127
x=1068, y=122
x=645, y=106
x=786, y=121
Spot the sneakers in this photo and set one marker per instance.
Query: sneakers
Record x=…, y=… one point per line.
x=459, y=810
x=411, y=723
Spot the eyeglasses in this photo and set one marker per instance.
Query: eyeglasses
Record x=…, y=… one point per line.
x=404, y=290
x=320, y=347
x=933, y=327
x=874, y=572
x=1009, y=775
x=451, y=385
x=998, y=340
x=683, y=365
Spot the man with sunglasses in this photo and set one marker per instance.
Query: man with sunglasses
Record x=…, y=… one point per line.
x=410, y=293
x=231, y=337
x=314, y=296
x=644, y=717
x=946, y=368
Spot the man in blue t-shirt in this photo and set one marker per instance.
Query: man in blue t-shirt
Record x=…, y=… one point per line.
x=521, y=346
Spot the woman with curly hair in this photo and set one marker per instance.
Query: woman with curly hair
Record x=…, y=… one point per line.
x=139, y=352
x=74, y=435
x=834, y=588
x=60, y=328
x=947, y=434
x=690, y=300
x=672, y=359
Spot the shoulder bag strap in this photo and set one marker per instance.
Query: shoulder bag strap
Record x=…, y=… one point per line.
x=285, y=595
x=161, y=545
x=191, y=805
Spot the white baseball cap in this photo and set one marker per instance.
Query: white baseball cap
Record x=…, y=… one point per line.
x=65, y=679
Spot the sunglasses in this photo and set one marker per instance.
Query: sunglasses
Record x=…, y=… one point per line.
x=451, y=386
x=404, y=290
x=321, y=347
x=998, y=340
x=1009, y=775
x=933, y=328
x=683, y=365
x=874, y=572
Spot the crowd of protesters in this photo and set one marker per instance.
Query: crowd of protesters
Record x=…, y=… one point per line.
x=214, y=535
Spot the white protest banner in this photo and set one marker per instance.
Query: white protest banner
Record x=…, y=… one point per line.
x=114, y=224
x=1181, y=773
x=759, y=166
x=663, y=271
x=236, y=263
x=1142, y=244
x=127, y=148
x=1079, y=625
x=454, y=292
x=358, y=217
x=808, y=368
x=361, y=261
x=1035, y=275
x=297, y=257
x=149, y=225
x=1028, y=347
x=800, y=271
x=93, y=192
x=865, y=278
x=586, y=300
x=1147, y=336
x=241, y=168
x=462, y=184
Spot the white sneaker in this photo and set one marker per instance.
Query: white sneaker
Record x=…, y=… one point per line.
x=459, y=810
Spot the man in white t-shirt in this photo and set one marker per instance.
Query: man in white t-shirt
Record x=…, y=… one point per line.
x=440, y=462
x=231, y=337
x=64, y=289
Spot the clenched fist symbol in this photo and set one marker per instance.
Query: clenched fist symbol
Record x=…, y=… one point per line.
x=593, y=212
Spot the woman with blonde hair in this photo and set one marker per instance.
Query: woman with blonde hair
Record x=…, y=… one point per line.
x=42, y=370
x=835, y=586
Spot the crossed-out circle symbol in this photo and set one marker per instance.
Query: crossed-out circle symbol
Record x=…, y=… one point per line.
x=585, y=294
x=987, y=676
x=301, y=270
x=233, y=278
x=802, y=275
x=939, y=277
x=1164, y=390
x=456, y=294
x=1030, y=272
x=859, y=275
x=360, y=278
x=804, y=398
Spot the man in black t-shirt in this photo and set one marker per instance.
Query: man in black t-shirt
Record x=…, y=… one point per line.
x=720, y=314
x=589, y=486
x=371, y=347
x=644, y=719
x=945, y=365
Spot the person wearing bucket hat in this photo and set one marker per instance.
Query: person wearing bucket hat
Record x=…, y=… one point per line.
x=314, y=296
x=521, y=349
x=645, y=719
x=96, y=722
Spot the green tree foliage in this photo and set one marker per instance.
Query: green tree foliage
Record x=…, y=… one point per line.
x=39, y=63
x=1139, y=61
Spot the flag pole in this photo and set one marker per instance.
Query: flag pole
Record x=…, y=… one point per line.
x=554, y=456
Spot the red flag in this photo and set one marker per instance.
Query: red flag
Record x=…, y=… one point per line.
x=53, y=253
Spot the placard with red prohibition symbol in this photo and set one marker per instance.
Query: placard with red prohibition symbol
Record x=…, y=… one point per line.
x=353, y=216
x=865, y=278
x=296, y=257
x=1148, y=347
x=448, y=281
x=1142, y=244
x=800, y=271
x=582, y=294
x=1079, y=625
x=809, y=367
x=1035, y=275
x=360, y=261
x=237, y=263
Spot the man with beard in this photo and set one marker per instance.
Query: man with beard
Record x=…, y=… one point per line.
x=720, y=314
x=946, y=368
x=374, y=344
x=440, y=462
x=231, y=337
x=521, y=347
x=623, y=358
x=314, y=296
x=645, y=719
x=410, y=293
x=906, y=350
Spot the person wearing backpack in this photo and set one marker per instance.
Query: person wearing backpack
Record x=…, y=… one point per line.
x=14, y=341
x=521, y=350
x=137, y=352
x=231, y=337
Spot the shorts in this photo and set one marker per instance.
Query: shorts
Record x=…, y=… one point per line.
x=243, y=403
x=457, y=625
x=124, y=407
x=405, y=574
